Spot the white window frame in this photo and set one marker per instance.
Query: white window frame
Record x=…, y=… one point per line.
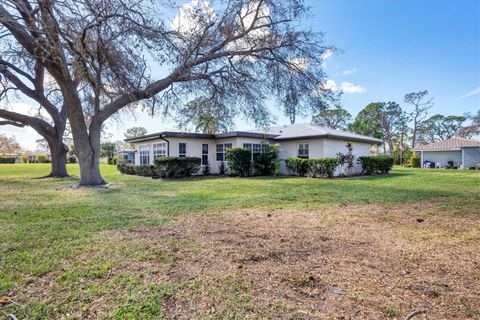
x=205, y=153
x=144, y=148
x=223, y=152
x=182, y=154
x=159, y=150
x=307, y=156
x=252, y=146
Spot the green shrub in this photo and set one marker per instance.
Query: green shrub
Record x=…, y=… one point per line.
x=298, y=166
x=323, y=167
x=222, y=170
x=206, y=170
x=239, y=161
x=24, y=158
x=415, y=161
x=7, y=159
x=41, y=158
x=169, y=167
x=113, y=161
x=145, y=170
x=265, y=163
x=376, y=164
x=345, y=160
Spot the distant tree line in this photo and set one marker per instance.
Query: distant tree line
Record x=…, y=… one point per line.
x=400, y=129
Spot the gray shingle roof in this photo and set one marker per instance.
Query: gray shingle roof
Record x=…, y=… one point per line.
x=450, y=144
x=286, y=132
x=303, y=130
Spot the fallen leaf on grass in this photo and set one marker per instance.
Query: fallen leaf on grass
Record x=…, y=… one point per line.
x=4, y=300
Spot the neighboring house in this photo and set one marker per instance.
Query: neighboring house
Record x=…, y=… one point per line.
x=126, y=155
x=297, y=140
x=32, y=156
x=464, y=153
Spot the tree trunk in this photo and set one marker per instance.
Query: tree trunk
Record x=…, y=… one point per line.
x=88, y=151
x=414, y=133
x=58, y=151
x=90, y=171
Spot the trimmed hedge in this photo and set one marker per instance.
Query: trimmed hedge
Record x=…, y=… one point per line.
x=165, y=167
x=7, y=159
x=239, y=161
x=113, y=161
x=323, y=167
x=376, y=164
x=41, y=158
x=298, y=166
x=415, y=162
x=145, y=170
x=318, y=168
x=169, y=167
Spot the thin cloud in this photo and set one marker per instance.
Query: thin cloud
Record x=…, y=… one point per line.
x=349, y=71
x=327, y=54
x=349, y=87
x=329, y=85
x=474, y=92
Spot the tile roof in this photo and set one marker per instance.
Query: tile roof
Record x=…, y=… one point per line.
x=450, y=144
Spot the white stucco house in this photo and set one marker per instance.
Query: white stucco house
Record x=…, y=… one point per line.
x=463, y=153
x=297, y=140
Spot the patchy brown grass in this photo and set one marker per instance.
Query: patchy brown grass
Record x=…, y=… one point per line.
x=350, y=262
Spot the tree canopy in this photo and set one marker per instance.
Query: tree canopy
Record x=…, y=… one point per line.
x=9, y=145
x=100, y=56
x=335, y=118
x=473, y=128
x=206, y=115
x=439, y=127
x=135, y=132
x=421, y=105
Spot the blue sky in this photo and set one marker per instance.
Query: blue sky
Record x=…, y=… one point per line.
x=387, y=49
x=396, y=47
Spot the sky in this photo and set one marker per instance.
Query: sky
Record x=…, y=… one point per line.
x=386, y=48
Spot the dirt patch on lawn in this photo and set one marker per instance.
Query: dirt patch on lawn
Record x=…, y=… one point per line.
x=350, y=262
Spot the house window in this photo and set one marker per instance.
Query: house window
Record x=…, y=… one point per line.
x=144, y=154
x=302, y=151
x=255, y=148
x=204, y=154
x=159, y=150
x=182, y=149
x=222, y=149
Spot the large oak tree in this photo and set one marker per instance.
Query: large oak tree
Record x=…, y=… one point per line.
x=23, y=74
x=101, y=55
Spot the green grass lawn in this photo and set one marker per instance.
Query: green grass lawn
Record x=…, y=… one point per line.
x=57, y=255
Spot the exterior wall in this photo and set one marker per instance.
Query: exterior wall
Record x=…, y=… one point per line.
x=289, y=148
x=360, y=149
x=318, y=148
x=214, y=164
x=194, y=148
x=443, y=157
x=471, y=157
x=322, y=148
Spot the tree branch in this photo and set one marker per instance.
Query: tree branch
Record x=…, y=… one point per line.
x=11, y=123
x=39, y=125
